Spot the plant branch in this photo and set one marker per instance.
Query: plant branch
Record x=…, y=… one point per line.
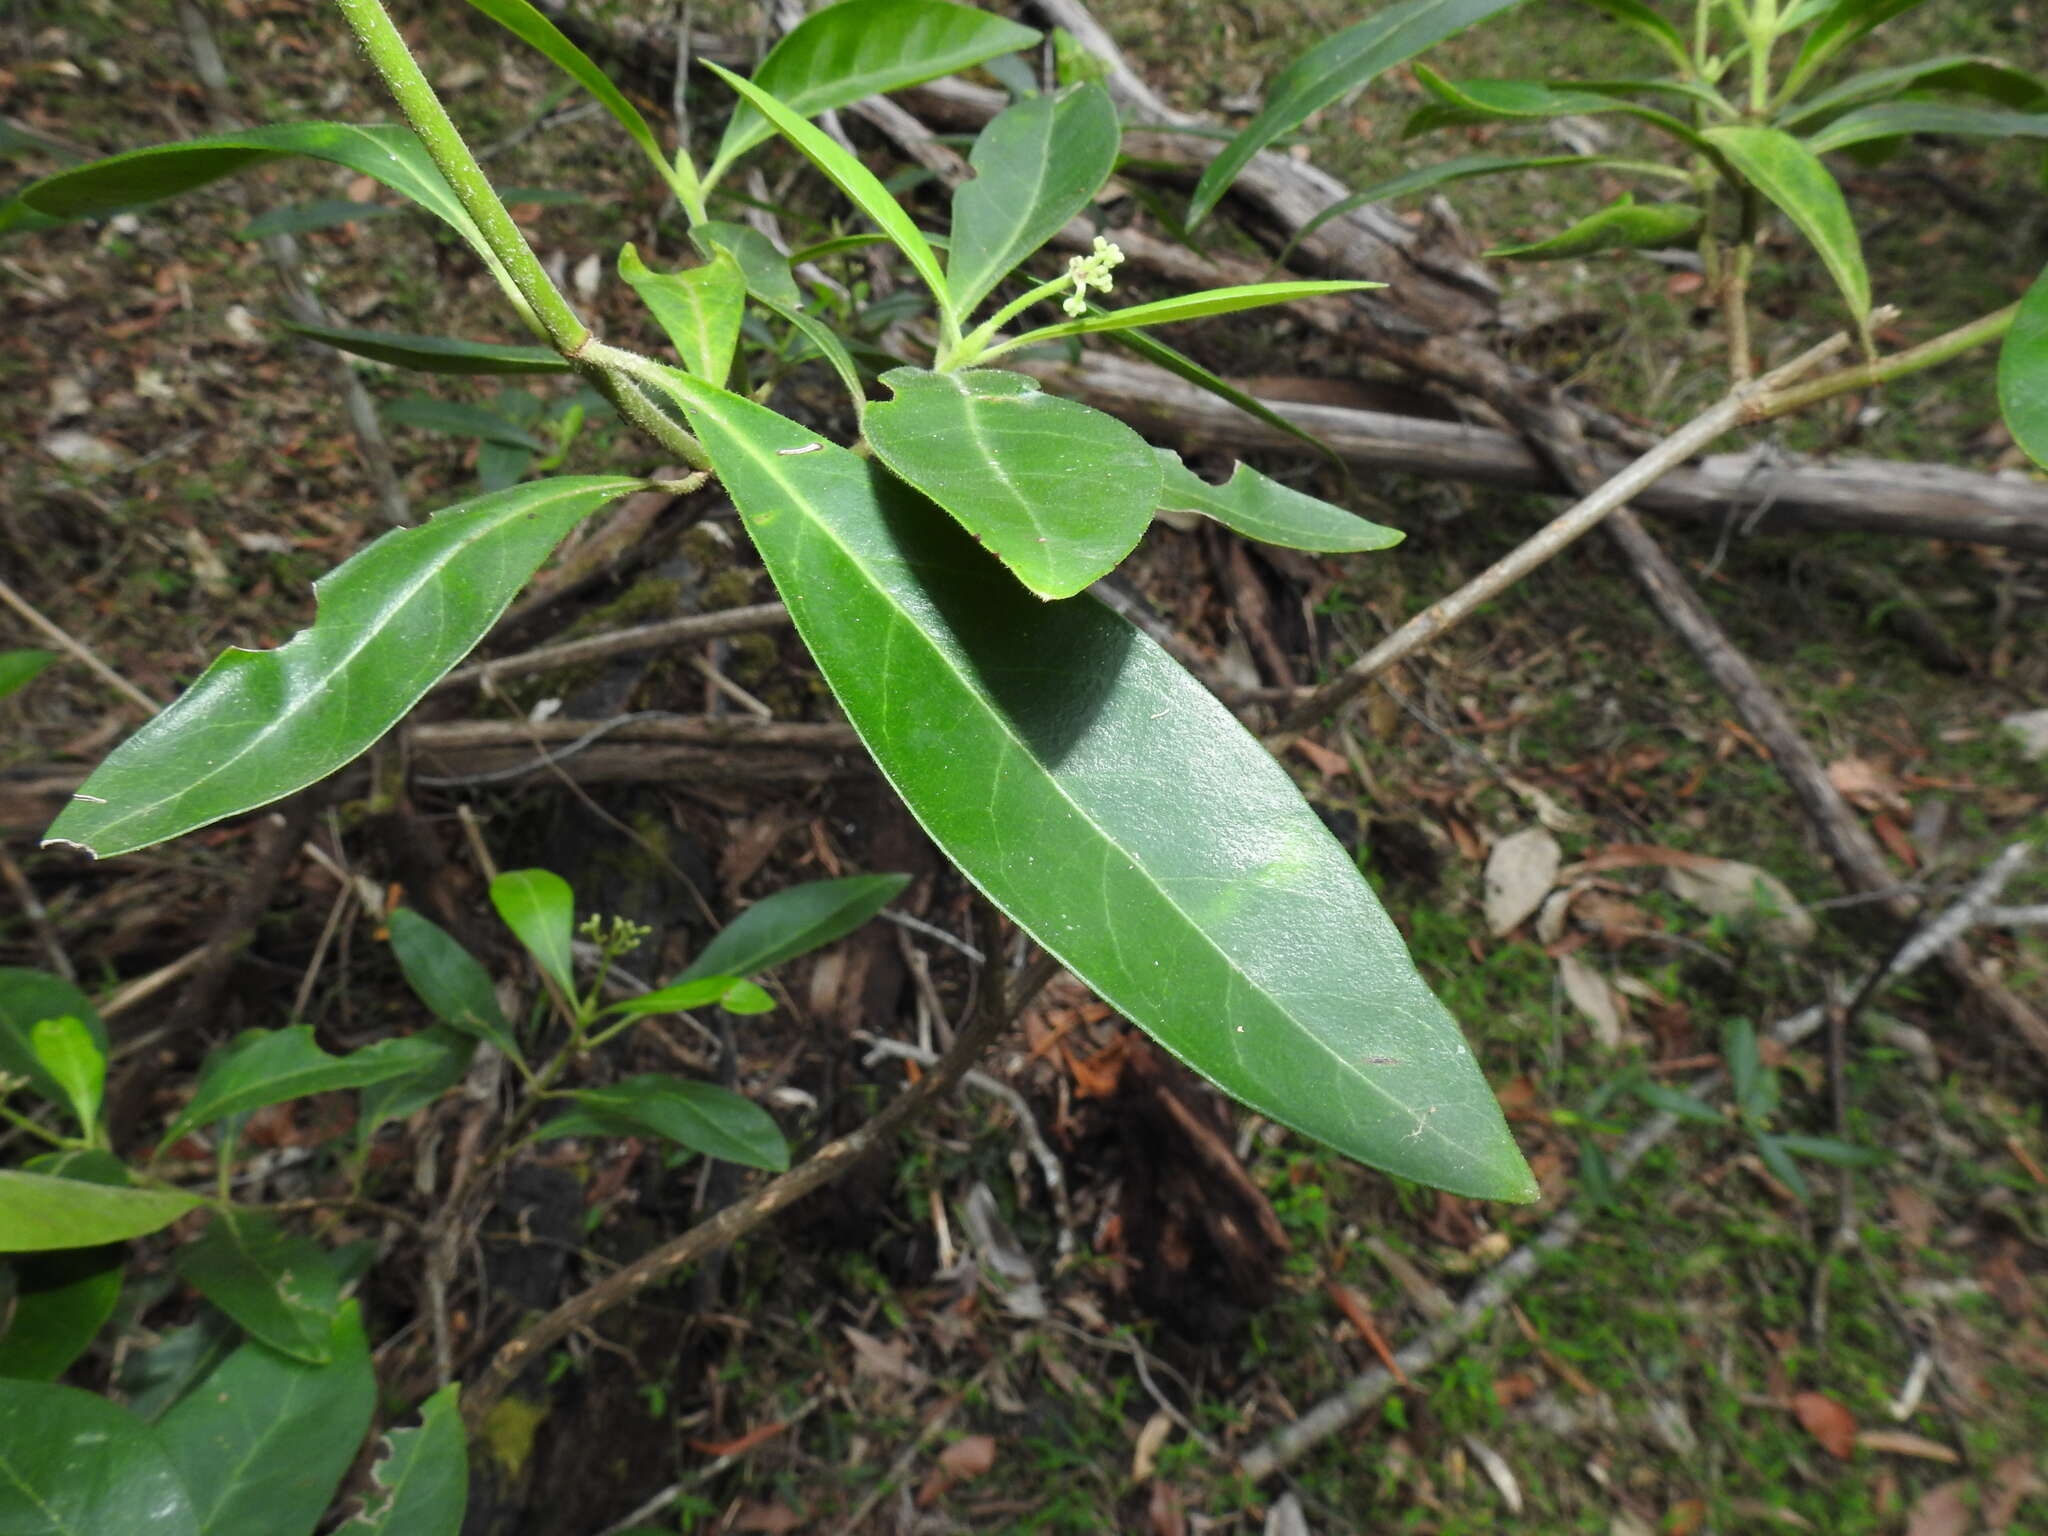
x=1782, y=400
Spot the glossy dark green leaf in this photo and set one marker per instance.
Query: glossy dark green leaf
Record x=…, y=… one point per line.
x=698, y=308
x=1465, y=103
x=1109, y=804
x=765, y=268
x=392, y=619
x=1182, y=307
x=1260, y=508
x=826, y=340
x=419, y=1483
x=280, y=1288
x=449, y=979
x=435, y=354
x=20, y=668
x=540, y=909
x=61, y=1301
x=155, y=1376
x=74, y=1464
x=846, y=173
x=269, y=1066
x=67, y=1051
x=2022, y=392
x=1059, y=491
x=1036, y=165
x=321, y=213
x=264, y=1441
x=397, y=1097
x=699, y=1117
x=859, y=48
x=792, y=922
x=1335, y=66
x=1791, y=176
x=26, y=999
x=1623, y=225
x=1888, y=119
x=39, y=1212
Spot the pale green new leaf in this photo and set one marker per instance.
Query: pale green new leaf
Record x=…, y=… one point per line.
x=1335, y=66
x=393, y=618
x=264, y=1440
x=67, y=1051
x=27, y=997
x=678, y=997
x=866, y=48
x=1109, y=804
x=282, y=1289
x=434, y=354
x=1035, y=166
x=38, y=1212
x=849, y=176
x=74, y=1464
x=1186, y=306
x=699, y=308
x=1791, y=176
x=1623, y=225
x=449, y=979
x=700, y=1117
x=1888, y=119
x=419, y=1483
x=1058, y=491
x=269, y=1066
x=792, y=922
x=538, y=906
x=1260, y=508
x=2023, y=373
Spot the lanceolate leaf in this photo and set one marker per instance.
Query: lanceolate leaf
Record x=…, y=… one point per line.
x=1333, y=67
x=1263, y=509
x=39, y=1212
x=765, y=267
x=698, y=308
x=848, y=175
x=1182, y=366
x=1461, y=103
x=449, y=979
x=283, y=1289
x=697, y=1116
x=419, y=1483
x=1623, y=225
x=1791, y=176
x=2023, y=373
x=793, y=922
x=1059, y=491
x=1966, y=74
x=1649, y=23
x=263, y=1441
x=269, y=1066
x=392, y=619
x=1886, y=119
x=865, y=48
x=1114, y=808
x=435, y=354
x=1186, y=306
x=1035, y=167
x=74, y=1464
x=1844, y=23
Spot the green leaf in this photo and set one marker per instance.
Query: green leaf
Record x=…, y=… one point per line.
x=155, y=1377
x=1755, y=1087
x=697, y=1116
x=419, y=1483
x=765, y=268
x=269, y=1066
x=866, y=48
x=1251, y=504
x=20, y=668
x=67, y=1051
x=1967, y=74
x=1623, y=225
x=1772, y=1150
x=1184, y=367
x=1676, y=1101
x=459, y=419
x=847, y=173
x=827, y=341
x=265, y=1440
x=1036, y=165
x=534, y=29
x=26, y=999
x=38, y=1212
x=677, y=997
x=1839, y=1154
x=1791, y=176
x=449, y=980
x=1648, y=23
x=792, y=922
x=1058, y=491
x=73, y=1464
x=1844, y=23
x=392, y=619
x=1887, y=119
x=1463, y=103
x=321, y=213
x=435, y=354
x=699, y=308
x=1110, y=805
x=2022, y=395
x=281, y=1289
x=1186, y=306
x=61, y=1301
x=1332, y=68
x=397, y=1097
x=746, y=998
x=538, y=906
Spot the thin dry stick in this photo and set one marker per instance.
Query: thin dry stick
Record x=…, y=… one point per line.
x=1566, y=529
x=78, y=650
x=726, y=1227
x=622, y=642
x=1366, y=1390
x=38, y=916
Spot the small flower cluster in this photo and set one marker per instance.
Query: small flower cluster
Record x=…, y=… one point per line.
x=613, y=939
x=1091, y=271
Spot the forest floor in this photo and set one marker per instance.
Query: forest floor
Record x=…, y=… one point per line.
x=1706, y=1356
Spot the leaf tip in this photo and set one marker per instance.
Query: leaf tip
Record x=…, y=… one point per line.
x=64, y=842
